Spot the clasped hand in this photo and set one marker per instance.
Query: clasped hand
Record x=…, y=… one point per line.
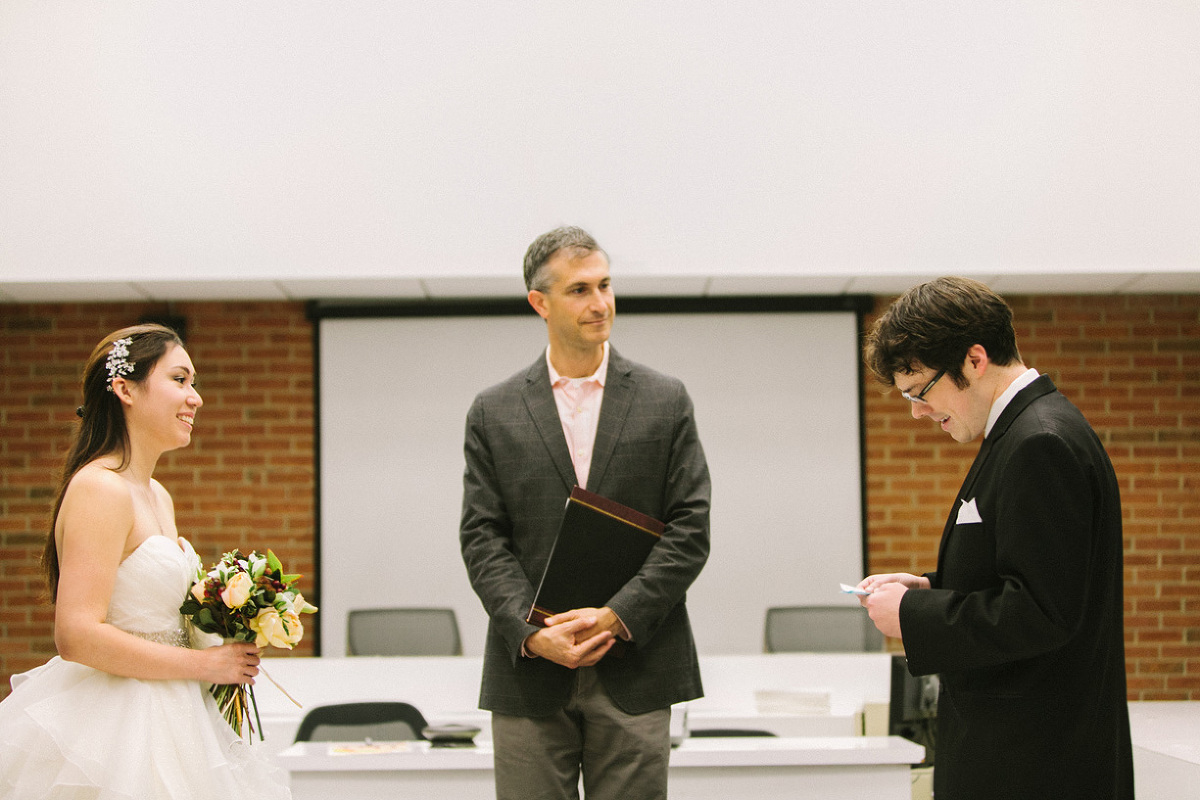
x=576, y=638
x=883, y=602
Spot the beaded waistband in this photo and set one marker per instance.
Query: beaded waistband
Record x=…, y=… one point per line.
x=176, y=638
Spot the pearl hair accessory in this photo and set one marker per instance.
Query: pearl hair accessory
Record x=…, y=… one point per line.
x=118, y=362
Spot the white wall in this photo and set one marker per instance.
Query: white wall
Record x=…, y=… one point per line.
x=305, y=139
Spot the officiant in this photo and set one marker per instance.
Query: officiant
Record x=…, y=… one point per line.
x=562, y=704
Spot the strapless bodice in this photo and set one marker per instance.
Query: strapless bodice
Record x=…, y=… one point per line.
x=152, y=582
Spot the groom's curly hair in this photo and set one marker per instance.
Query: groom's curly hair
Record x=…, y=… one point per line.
x=934, y=325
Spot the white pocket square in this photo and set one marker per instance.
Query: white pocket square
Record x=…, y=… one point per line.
x=968, y=513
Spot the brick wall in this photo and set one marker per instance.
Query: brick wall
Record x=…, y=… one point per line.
x=1131, y=363
x=246, y=481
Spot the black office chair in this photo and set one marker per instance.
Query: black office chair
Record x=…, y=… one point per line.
x=354, y=722
x=403, y=632
x=821, y=629
x=711, y=732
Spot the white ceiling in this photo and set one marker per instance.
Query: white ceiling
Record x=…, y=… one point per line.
x=408, y=151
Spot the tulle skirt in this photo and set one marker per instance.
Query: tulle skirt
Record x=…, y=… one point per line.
x=70, y=732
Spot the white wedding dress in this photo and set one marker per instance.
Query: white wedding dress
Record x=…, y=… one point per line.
x=70, y=731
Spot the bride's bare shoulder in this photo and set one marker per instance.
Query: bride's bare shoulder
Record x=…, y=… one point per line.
x=97, y=511
x=97, y=480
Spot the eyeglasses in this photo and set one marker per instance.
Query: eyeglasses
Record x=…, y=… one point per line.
x=919, y=397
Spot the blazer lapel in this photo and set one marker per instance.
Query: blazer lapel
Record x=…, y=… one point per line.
x=539, y=402
x=618, y=397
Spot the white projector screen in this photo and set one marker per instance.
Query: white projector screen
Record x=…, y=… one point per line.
x=778, y=408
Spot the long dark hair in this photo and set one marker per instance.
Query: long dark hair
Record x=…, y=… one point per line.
x=102, y=419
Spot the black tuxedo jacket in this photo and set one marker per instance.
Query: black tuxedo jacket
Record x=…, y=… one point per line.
x=1024, y=621
x=648, y=456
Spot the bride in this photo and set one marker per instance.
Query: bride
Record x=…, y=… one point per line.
x=124, y=710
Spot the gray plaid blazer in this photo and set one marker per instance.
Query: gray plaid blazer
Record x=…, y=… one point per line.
x=518, y=475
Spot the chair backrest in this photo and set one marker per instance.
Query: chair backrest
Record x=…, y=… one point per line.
x=403, y=632
x=353, y=722
x=821, y=629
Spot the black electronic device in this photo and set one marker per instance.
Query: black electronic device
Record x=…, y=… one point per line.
x=913, y=710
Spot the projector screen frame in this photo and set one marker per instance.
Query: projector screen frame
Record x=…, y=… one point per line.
x=320, y=310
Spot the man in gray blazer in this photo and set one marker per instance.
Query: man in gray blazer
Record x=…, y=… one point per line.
x=563, y=704
x=1023, y=617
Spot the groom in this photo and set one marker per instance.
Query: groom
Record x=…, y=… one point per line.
x=1023, y=617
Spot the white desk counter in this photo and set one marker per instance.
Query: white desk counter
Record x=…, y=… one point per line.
x=1166, y=748
x=446, y=690
x=805, y=768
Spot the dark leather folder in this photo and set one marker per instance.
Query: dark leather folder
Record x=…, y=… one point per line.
x=601, y=544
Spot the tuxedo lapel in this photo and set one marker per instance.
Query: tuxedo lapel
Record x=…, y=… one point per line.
x=964, y=492
x=618, y=397
x=1039, y=388
x=539, y=402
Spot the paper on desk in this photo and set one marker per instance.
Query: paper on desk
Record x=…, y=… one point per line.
x=793, y=701
x=852, y=590
x=367, y=748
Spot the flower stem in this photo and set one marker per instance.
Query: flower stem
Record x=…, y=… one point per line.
x=257, y=721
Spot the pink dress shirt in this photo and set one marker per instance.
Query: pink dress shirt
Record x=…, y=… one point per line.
x=578, y=401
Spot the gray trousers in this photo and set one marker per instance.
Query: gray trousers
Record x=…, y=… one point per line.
x=620, y=756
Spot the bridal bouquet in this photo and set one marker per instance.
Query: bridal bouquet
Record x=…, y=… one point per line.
x=246, y=599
